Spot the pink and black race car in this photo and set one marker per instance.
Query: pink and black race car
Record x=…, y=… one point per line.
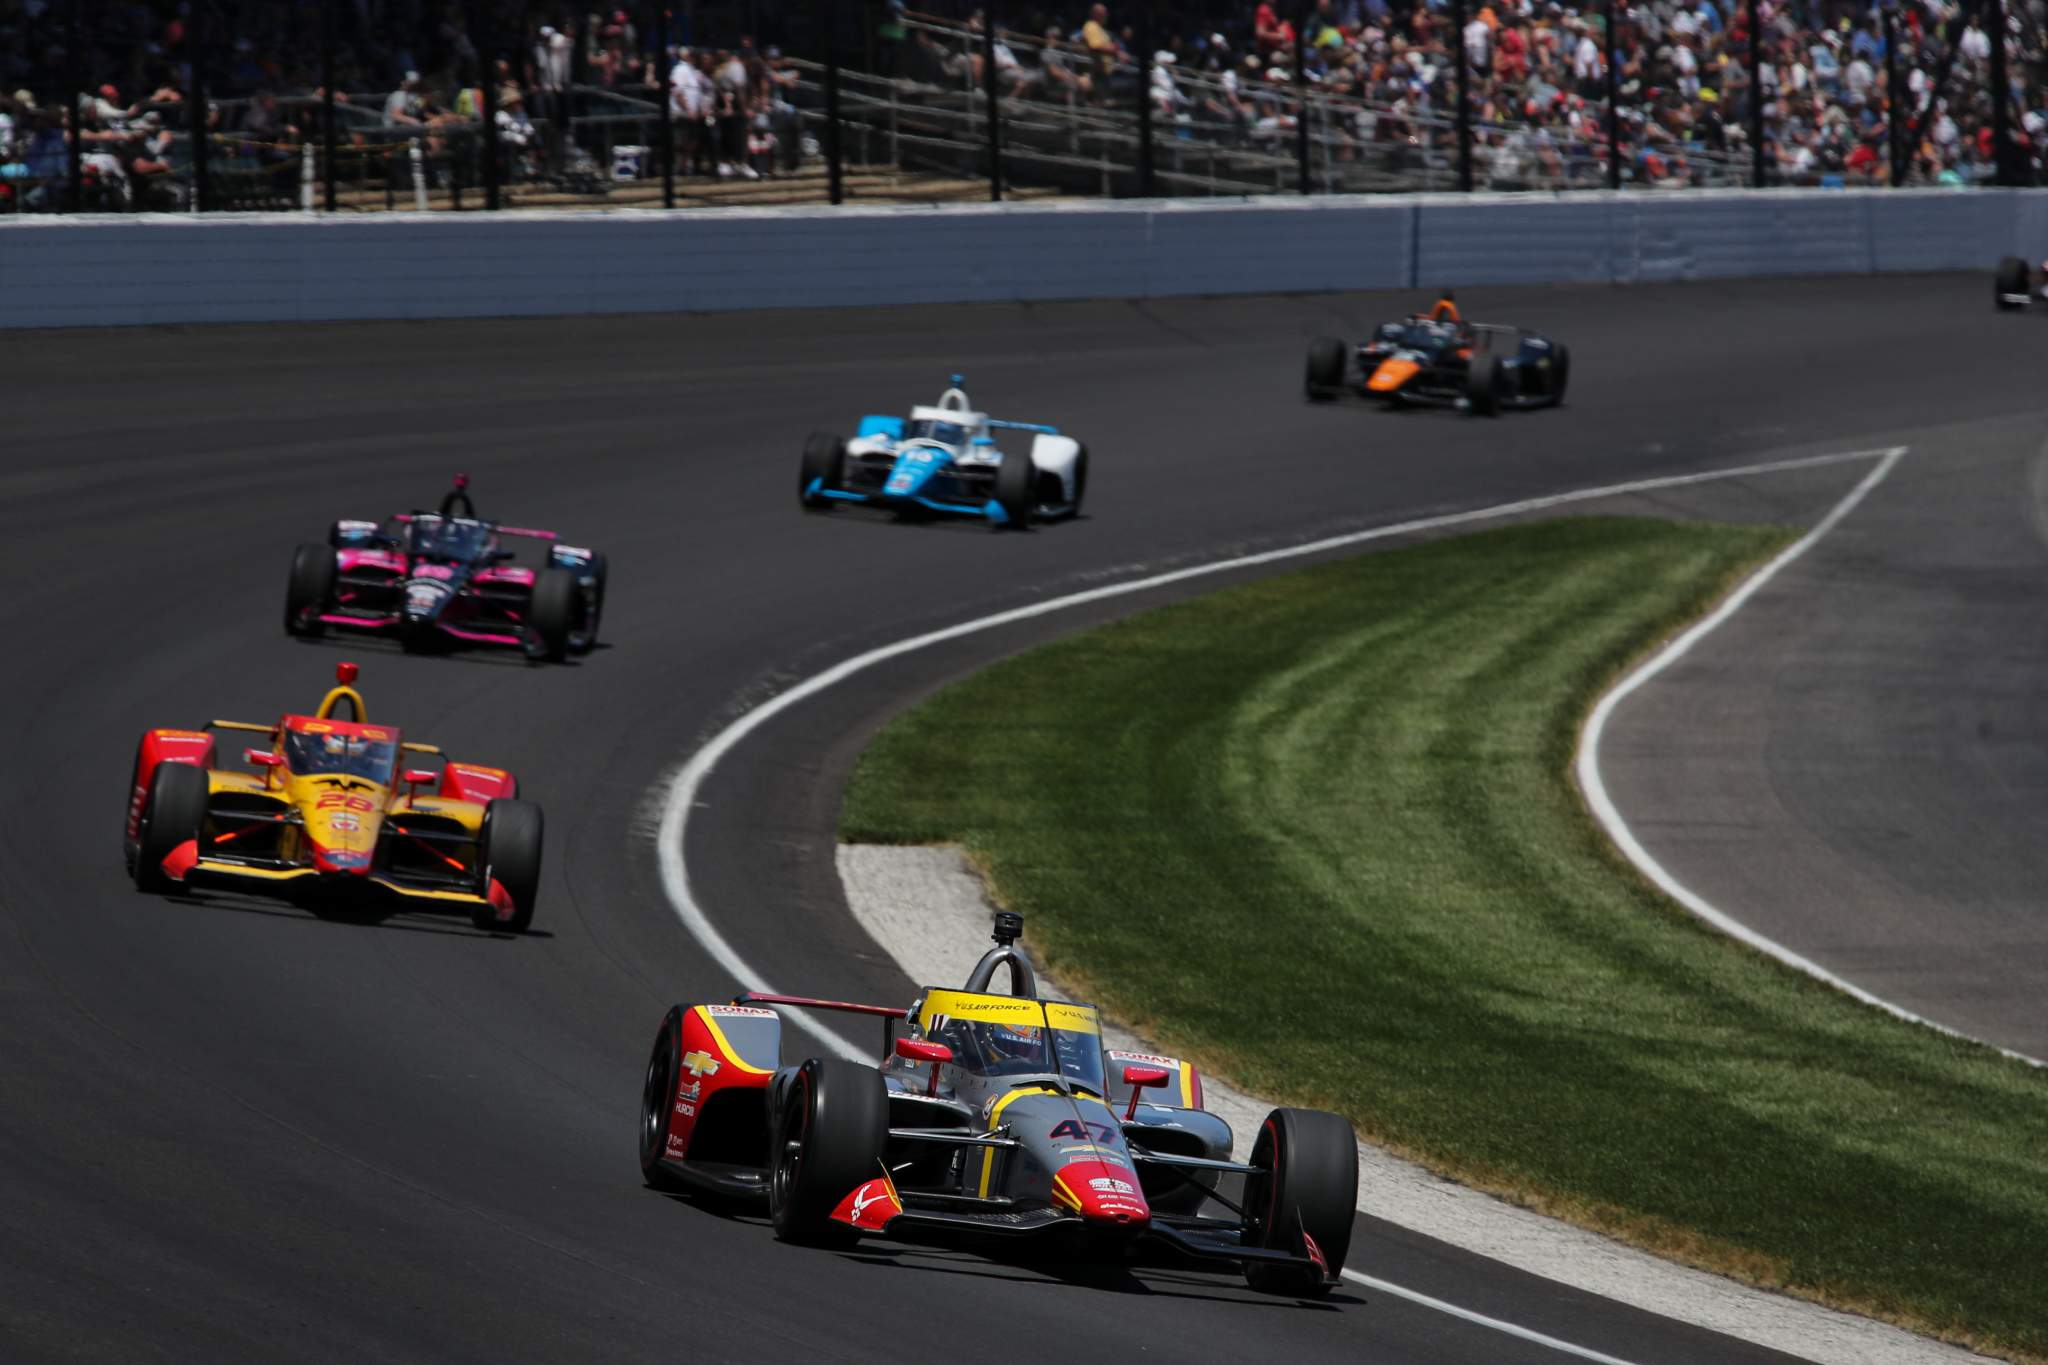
x=432, y=577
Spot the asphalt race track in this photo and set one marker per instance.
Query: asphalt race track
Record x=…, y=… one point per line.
x=233, y=1131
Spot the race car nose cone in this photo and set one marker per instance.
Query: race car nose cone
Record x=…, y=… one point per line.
x=1102, y=1193
x=1391, y=375
x=341, y=860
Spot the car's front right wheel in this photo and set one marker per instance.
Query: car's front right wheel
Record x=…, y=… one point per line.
x=825, y=1139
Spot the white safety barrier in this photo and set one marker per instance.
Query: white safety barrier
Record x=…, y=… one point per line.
x=99, y=271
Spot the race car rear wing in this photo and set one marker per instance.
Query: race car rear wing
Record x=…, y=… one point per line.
x=888, y=1014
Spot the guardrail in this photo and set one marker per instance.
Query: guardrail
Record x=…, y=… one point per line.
x=142, y=268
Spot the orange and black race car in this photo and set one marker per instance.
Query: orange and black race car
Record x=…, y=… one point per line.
x=1438, y=358
x=325, y=816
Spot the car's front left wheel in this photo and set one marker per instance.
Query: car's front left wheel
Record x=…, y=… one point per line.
x=1301, y=1201
x=508, y=853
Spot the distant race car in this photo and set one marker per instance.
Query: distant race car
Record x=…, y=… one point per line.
x=2019, y=285
x=328, y=818
x=433, y=576
x=995, y=1116
x=1439, y=358
x=946, y=459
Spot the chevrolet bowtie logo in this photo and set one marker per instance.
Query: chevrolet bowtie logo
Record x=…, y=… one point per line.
x=701, y=1064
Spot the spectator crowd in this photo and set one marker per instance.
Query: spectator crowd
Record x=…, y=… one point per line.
x=1380, y=76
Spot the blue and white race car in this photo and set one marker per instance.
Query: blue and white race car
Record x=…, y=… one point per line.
x=945, y=459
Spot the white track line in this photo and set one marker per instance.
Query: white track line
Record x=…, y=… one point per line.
x=1604, y=810
x=1393, y=1290
x=680, y=790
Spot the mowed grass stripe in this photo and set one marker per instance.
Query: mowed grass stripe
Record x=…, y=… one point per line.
x=1319, y=832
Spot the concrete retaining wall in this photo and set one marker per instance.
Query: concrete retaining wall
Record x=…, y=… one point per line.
x=101, y=271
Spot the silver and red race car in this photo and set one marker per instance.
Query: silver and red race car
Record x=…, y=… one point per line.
x=993, y=1117
x=430, y=577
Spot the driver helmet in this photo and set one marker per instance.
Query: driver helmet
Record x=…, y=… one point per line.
x=1016, y=1042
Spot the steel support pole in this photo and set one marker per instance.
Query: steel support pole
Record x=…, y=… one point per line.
x=327, y=139
x=195, y=41
x=1146, y=188
x=835, y=163
x=1464, y=121
x=2004, y=173
x=668, y=106
x=1614, y=12
x=1756, y=99
x=487, y=63
x=995, y=114
x=1894, y=93
x=74, y=151
x=1301, y=106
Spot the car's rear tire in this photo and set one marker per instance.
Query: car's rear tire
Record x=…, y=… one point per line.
x=824, y=466
x=508, y=852
x=173, y=812
x=1080, y=481
x=309, y=591
x=1560, y=374
x=552, y=615
x=1483, y=385
x=1324, y=377
x=1014, y=492
x=2013, y=278
x=658, y=1101
x=584, y=638
x=825, y=1139
x=1309, y=1188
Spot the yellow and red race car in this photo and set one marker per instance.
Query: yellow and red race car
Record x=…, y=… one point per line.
x=325, y=816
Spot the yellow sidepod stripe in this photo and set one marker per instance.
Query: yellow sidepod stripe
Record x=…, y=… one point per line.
x=731, y=1053
x=995, y=1121
x=1187, y=1086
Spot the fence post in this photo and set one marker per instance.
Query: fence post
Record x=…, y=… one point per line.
x=306, y=177
x=74, y=83
x=1301, y=177
x=834, y=154
x=487, y=61
x=419, y=176
x=1464, y=123
x=1613, y=26
x=2001, y=98
x=195, y=43
x=327, y=100
x=1756, y=100
x=1892, y=96
x=1146, y=188
x=667, y=68
x=995, y=117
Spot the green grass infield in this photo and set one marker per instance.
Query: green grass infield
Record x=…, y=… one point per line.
x=1320, y=834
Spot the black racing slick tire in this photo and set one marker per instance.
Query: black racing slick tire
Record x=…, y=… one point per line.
x=508, y=852
x=1483, y=386
x=310, y=590
x=591, y=578
x=553, y=614
x=1305, y=1194
x=1560, y=374
x=658, y=1101
x=1016, y=493
x=824, y=466
x=826, y=1137
x=2013, y=278
x=1080, y=481
x=173, y=812
x=1324, y=377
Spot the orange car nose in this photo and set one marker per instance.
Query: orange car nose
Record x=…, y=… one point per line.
x=1391, y=375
